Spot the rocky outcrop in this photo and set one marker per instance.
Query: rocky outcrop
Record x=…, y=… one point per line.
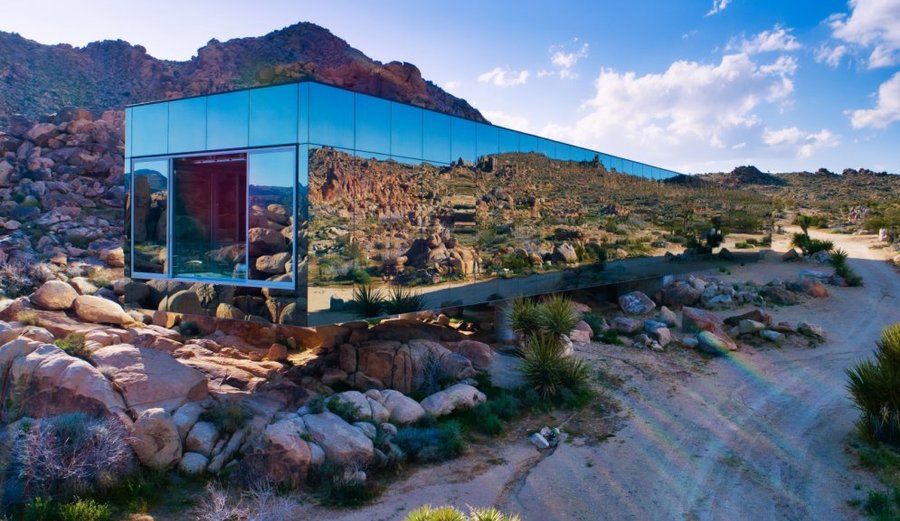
x=155, y=439
x=343, y=444
x=402, y=366
x=454, y=398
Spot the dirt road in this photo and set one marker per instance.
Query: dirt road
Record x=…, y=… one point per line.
x=756, y=435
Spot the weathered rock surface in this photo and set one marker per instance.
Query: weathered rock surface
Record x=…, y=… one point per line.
x=403, y=409
x=697, y=320
x=341, y=442
x=100, y=310
x=456, y=397
x=54, y=295
x=155, y=439
x=636, y=303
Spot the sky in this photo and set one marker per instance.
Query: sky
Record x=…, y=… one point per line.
x=691, y=85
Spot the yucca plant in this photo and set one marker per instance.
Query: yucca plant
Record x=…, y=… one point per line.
x=557, y=316
x=875, y=388
x=429, y=513
x=367, y=301
x=401, y=299
x=548, y=371
x=838, y=258
x=524, y=316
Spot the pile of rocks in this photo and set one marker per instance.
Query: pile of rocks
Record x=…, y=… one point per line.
x=715, y=294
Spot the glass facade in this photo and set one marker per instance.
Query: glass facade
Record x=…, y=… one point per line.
x=292, y=197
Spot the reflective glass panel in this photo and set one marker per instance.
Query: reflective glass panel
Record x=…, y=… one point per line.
x=330, y=116
x=273, y=115
x=151, y=199
x=149, y=129
x=528, y=143
x=128, y=139
x=210, y=217
x=508, y=141
x=486, y=140
x=303, y=112
x=187, y=125
x=227, y=120
x=436, y=137
x=271, y=234
x=126, y=245
x=373, y=124
x=406, y=130
x=547, y=147
x=463, y=136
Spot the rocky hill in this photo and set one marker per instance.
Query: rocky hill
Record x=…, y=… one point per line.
x=744, y=175
x=36, y=79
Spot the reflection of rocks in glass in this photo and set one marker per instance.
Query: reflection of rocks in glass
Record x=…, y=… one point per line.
x=150, y=226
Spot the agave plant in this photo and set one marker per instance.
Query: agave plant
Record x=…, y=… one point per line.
x=557, y=316
x=838, y=257
x=548, y=370
x=524, y=316
x=367, y=301
x=429, y=513
x=402, y=300
x=875, y=388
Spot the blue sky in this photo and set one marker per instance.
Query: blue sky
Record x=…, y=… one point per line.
x=693, y=85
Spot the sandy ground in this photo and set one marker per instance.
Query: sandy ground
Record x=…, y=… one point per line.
x=757, y=435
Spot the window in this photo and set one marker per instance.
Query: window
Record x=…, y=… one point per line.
x=148, y=211
x=271, y=234
x=210, y=217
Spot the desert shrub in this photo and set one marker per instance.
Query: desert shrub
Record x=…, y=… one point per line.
x=259, y=503
x=838, y=260
x=29, y=318
x=807, y=221
x=596, y=322
x=429, y=513
x=358, y=276
x=546, y=368
x=505, y=406
x=401, y=299
x=810, y=246
x=878, y=506
x=67, y=455
x=228, y=417
x=610, y=337
x=558, y=316
x=345, y=409
x=486, y=420
x=741, y=221
x=744, y=245
x=432, y=443
x=875, y=388
x=16, y=280
x=524, y=316
x=84, y=510
x=367, y=301
x=73, y=344
x=340, y=486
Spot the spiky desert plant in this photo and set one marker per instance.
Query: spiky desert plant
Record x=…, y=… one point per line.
x=838, y=257
x=548, y=370
x=446, y=513
x=401, y=299
x=838, y=260
x=524, y=316
x=367, y=301
x=804, y=222
x=875, y=388
x=557, y=316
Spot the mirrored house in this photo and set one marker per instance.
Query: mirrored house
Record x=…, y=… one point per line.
x=283, y=203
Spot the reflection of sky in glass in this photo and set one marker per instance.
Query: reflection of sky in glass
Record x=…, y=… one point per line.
x=272, y=168
x=150, y=129
x=373, y=124
x=273, y=115
x=227, y=120
x=187, y=125
x=462, y=133
x=436, y=136
x=406, y=130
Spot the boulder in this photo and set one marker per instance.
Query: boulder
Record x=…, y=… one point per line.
x=356, y=400
x=193, y=464
x=627, y=325
x=185, y=302
x=636, y=303
x=186, y=416
x=342, y=443
x=454, y=398
x=780, y=296
x=772, y=336
x=264, y=241
x=680, y=293
x=750, y=327
x=564, y=253
x=714, y=344
x=202, y=438
x=44, y=381
x=403, y=409
x=149, y=378
x=480, y=354
x=229, y=312
x=697, y=320
x=280, y=454
x=790, y=256
x=754, y=314
x=811, y=330
x=277, y=352
x=155, y=439
x=669, y=317
x=54, y=295
x=662, y=335
x=100, y=310
x=273, y=264
x=113, y=257
x=810, y=287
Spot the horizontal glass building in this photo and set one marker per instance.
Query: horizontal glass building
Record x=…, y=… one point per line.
x=281, y=203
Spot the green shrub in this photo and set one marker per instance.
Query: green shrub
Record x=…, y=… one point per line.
x=29, y=318
x=429, y=513
x=345, y=409
x=485, y=420
x=402, y=300
x=40, y=509
x=744, y=245
x=428, y=444
x=338, y=485
x=228, y=417
x=546, y=368
x=367, y=301
x=810, y=246
x=84, y=510
x=838, y=260
x=358, y=276
x=610, y=337
x=524, y=316
x=73, y=344
x=558, y=316
x=596, y=322
x=875, y=388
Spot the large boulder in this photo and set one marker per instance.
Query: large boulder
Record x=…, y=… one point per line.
x=714, y=343
x=810, y=287
x=565, y=253
x=149, y=378
x=636, y=303
x=480, y=354
x=202, y=438
x=193, y=464
x=280, y=454
x=343, y=443
x=454, y=398
x=403, y=409
x=48, y=382
x=186, y=302
x=680, y=293
x=55, y=295
x=697, y=320
x=155, y=439
x=100, y=310
x=779, y=295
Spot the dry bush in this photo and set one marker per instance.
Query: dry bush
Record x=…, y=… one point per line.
x=259, y=503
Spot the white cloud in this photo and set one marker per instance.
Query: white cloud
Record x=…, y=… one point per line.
x=718, y=6
x=804, y=143
x=564, y=60
x=871, y=24
x=503, y=119
x=504, y=77
x=887, y=108
x=831, y=55
x=778, y=39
